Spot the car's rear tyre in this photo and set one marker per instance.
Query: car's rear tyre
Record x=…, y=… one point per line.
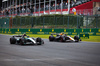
x=12, y=40
x=76, y=38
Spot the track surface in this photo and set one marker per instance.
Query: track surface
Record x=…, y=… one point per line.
x=49, y=54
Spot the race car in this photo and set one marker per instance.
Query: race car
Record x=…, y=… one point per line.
x=24, y=40
x=63, y=38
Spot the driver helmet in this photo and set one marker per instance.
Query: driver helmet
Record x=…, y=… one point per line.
x=24, y=34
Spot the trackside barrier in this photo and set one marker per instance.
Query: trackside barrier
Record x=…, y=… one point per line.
x=49, y=31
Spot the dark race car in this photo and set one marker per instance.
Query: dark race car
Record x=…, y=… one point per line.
x=23, y=40
x=63, y=38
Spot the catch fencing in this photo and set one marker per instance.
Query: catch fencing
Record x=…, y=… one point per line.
x=51, y=21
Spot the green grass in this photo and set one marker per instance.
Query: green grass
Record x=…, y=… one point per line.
x=91, y=38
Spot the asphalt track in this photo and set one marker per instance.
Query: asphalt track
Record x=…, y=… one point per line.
x=49, y=54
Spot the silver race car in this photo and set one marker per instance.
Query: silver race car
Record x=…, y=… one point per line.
x=24, y=39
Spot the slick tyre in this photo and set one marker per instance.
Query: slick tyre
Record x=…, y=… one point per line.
x=51, y=38
x=76, y=38
x=39, y=40
x=12, y=40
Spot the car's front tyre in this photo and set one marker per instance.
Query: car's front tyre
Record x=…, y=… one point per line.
x=39, y=41
x=76, y=38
